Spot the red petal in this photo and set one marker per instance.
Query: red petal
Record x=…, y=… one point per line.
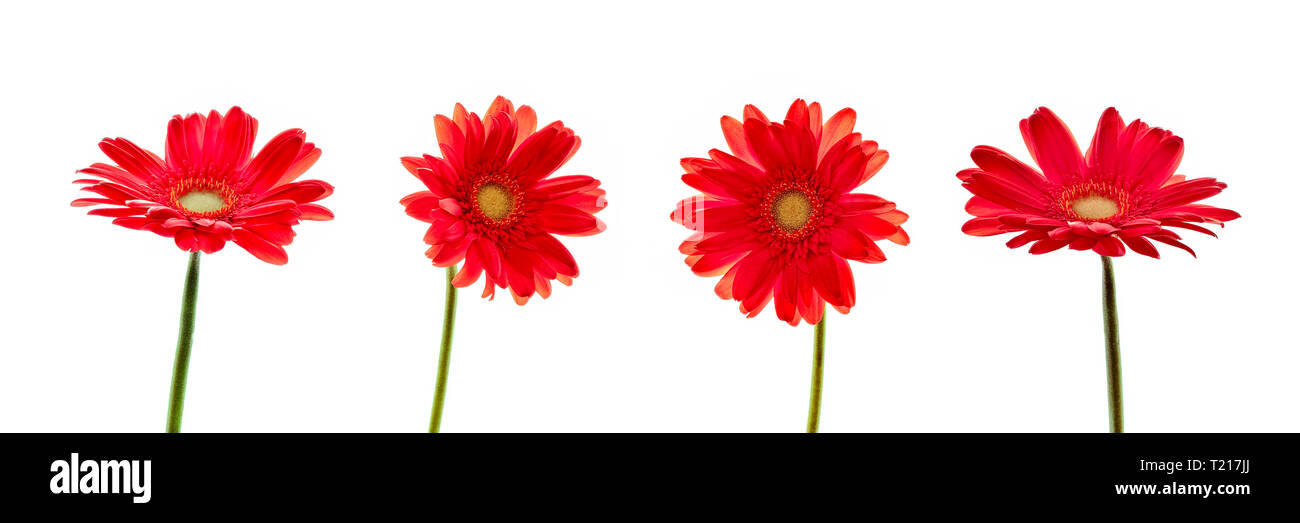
x=1175, y=243
x=301, y=192
x=561, y=186
x=786, y=295
x=755, y=277
x=259, y=247
x=274, y=160
x=1141, y=246
x=1102, y=150
x=565, y=220
x=311, y=211
x=734, y=133
x=1046, y=245
x=1052, y=145
x=1109, y=246
x=833, y=280
x=983, y=227
x=554, y=252
x=836, y=128
x=307, y=157
x=469, y=272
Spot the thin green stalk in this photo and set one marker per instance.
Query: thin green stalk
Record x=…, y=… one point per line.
x=1114, y=380
x=444, y=354
x=181, y=368
x=819, y=355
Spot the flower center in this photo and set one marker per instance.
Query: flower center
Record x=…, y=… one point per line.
x=495, y=200
x=1094, y=207
x=202, y=202
x=791, y=210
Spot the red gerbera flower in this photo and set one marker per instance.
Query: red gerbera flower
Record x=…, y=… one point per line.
x=210, y=189
x=777, y=218
x=492, y=204
x=1123, y=191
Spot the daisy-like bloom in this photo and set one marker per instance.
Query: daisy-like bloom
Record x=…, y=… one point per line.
x=777, y=218
x=1121, y=192
x=209, y=188
x=492, y=203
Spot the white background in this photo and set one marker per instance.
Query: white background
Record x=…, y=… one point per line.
x=954, y=333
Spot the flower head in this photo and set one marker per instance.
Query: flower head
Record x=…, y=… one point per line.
x=492, y=203
x=777, y=219
x=1121, y=192
x=209, y=188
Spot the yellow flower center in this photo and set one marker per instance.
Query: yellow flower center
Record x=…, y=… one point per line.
x=202, y=201
x=791, y=210
x=495, y=200
x=1094, y=207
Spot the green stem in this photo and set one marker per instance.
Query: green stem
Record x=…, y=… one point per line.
x=1114, y=380
x=181, y=368
x=819, y=355
x=444, y=354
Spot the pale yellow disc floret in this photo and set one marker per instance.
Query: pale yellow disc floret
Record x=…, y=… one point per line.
x=202, y=201
x=1093, y=207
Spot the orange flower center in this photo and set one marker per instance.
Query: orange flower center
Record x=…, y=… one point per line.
x=495, y=201
x=201, y=196
x=1094, y=201
x=1095, y=207
x=202, y=202
x=791, y=210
